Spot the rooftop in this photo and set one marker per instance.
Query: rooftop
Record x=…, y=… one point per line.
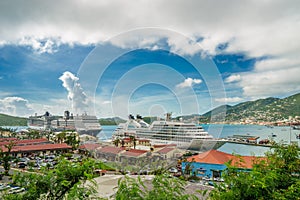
x=165, y=150
x=18, y=142
x=89, y=146
x=110, y=149
x=134, y=152
x=38, y=147
x=218, y=157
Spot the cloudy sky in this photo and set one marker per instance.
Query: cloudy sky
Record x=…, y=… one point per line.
x=111, y=58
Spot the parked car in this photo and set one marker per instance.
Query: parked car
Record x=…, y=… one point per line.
x=22, y=165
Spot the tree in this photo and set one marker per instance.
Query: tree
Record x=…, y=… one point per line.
x=68, y=180
x=117, y=141
x=72, y=140
x=276, y=177
x=163, y=187
x=133, y=139
x=61, y=137
x=6, y=157
x=34, y=134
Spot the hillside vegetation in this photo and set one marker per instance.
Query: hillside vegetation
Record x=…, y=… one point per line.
x=268, y=110
x=6, y=120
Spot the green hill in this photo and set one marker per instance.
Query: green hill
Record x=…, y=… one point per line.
x=111, y=121
x=7, y=120
x=269, y=109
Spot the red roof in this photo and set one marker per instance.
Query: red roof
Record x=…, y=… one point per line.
x=165, y=150
x=110, y=149
x=7, y=139
x=134, y=152
x=89, y=146
x=39, y=147
x=218, y=157
x=25, y=142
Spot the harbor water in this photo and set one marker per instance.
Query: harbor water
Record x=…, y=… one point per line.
x=278, y=134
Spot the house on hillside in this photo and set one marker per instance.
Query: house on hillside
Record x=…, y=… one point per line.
x=212, y=163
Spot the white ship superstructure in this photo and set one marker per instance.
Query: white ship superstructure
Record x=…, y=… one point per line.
x=184, y=135
x=83, y=124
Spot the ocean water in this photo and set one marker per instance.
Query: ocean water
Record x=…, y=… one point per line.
x=282, y=134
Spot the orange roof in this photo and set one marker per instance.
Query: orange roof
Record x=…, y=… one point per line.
x=218, y=157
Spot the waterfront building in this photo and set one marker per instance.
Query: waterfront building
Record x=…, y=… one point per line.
x=22, y=148
x=212, y=163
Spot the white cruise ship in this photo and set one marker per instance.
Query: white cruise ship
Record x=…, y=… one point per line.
x=184, y=135
x=83, y=124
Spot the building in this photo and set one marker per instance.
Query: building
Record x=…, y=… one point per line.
x=132, y=156
x=212, y=163
x=89, y=148
x=33, y=146
x=110, y=153
x=169, y=153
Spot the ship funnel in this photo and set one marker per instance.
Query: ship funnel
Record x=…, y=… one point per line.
x=67, y=115
x=131, y=116
x=168, y=116
x=139, y=117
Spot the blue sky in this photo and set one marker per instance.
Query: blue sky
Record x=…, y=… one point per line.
x=84, y=58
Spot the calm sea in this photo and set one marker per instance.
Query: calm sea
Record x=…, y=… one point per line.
x=282, y=134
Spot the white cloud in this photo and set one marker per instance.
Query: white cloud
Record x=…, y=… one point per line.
x=15, y=106
x=229, y=100
x=233, y=78
x=75, y=92
x=106, y=102
x=248, y=26
x=189, y=82
x=268, y=83
x=254, y=28
x=40, y=46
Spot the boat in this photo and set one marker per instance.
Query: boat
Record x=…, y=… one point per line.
x=296, y=127
x=83, y=124
x=184, y=135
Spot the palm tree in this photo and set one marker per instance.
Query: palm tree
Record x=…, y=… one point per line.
x=133, y=139
x=61, y=137
x=117, y=142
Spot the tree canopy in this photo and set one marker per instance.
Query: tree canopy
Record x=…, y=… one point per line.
x=66, y=181
x=277, y=177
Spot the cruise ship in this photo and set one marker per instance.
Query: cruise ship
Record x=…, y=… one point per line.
x=184, y=135
x=83, y=124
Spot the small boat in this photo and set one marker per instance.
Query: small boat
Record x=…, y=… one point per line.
x=296, y=127
x=273, y=135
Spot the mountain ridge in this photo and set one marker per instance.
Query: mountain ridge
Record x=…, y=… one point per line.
x=261, y=110
x=270, y=109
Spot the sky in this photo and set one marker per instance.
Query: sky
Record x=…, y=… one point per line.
x=112, y=58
